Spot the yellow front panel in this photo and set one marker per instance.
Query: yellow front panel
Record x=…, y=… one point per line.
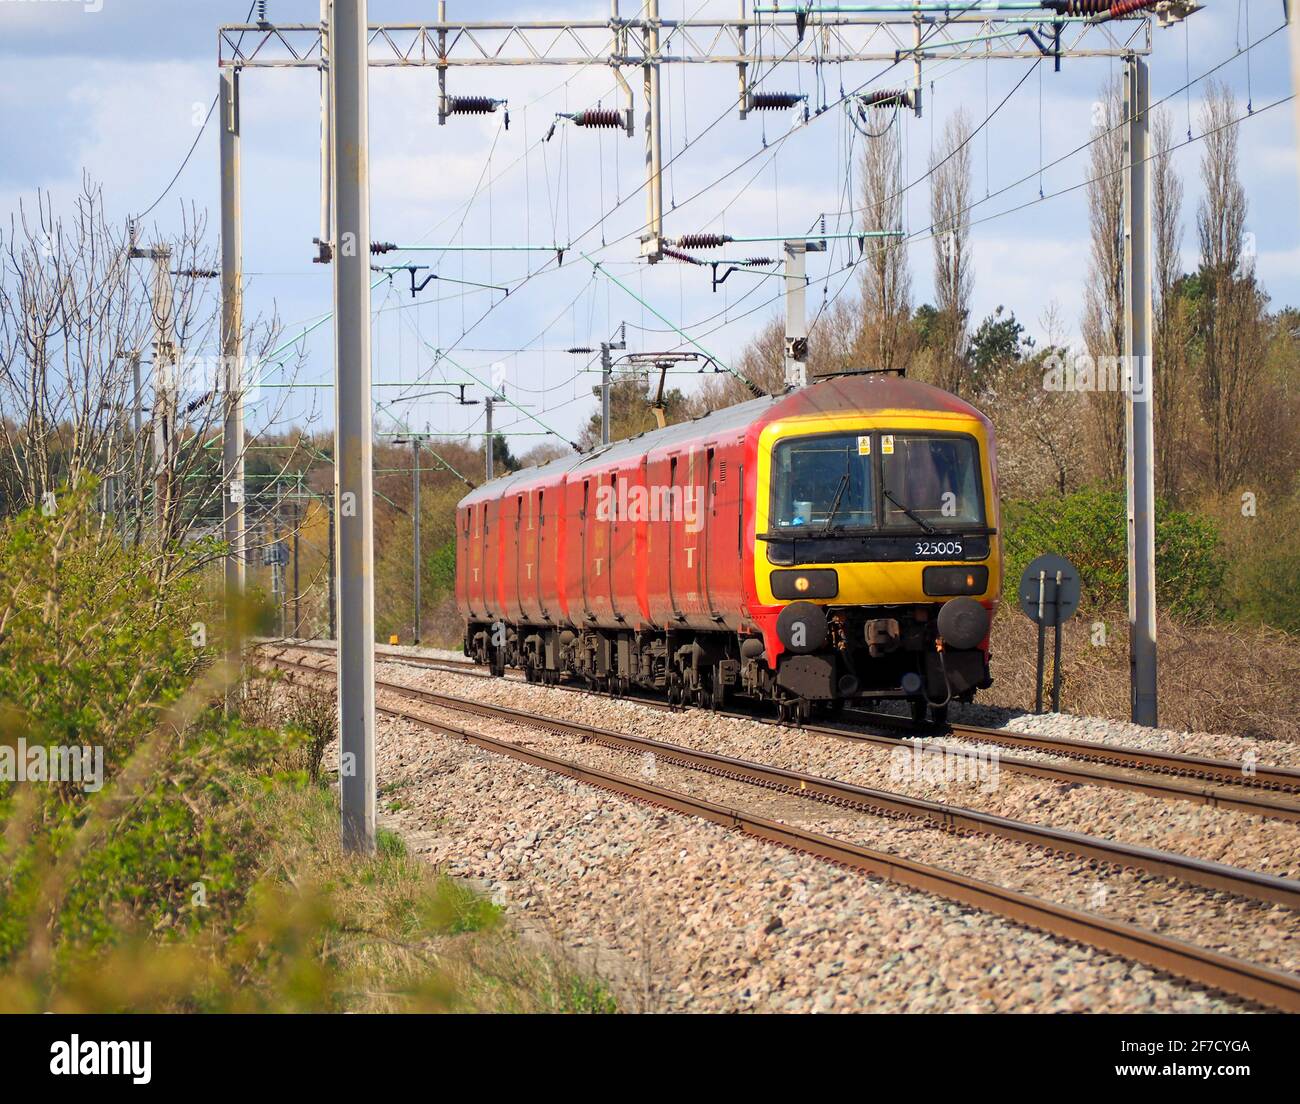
x=893, y=582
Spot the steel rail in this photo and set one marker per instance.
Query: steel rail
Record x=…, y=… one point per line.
x=1222, y=770
x=1167, y=784
x=1198, y=965
x=1214, y=876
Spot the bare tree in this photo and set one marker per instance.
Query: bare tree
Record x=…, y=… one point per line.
x=762, y=361
x=69, y=318
x=1038, y=440
x=833, y=337
x=105, y=374
x=1103, y=318
x=885, y=340
x=950, y=198
x=1230, y=323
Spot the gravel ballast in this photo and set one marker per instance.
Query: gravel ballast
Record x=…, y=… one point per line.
x=701, y=918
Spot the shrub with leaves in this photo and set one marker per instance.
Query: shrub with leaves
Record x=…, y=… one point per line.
x=1090, y=529
x=206, y=873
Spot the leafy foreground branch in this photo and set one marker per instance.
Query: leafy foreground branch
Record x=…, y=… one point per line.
x=203, y=871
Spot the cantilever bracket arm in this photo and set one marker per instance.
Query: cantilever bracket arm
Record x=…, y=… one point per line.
x=1053, y=51
x=418, y=287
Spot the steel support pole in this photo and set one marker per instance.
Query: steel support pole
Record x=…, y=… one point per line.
x=796, y=316
x=232, y=350
x=1138, y=414
x=349, y=155
x=487, y=433
x=442, y=65
x=332, y=598
x=415, y=517
x=796, y=311
x=606, y=372
x=326, y=173
x=652, y=241
x=137, y=445
x=164, y=387
x=742, y=70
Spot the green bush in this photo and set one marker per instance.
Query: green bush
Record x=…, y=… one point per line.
x=207, y=872
x=110, y=648
x=443, y=568
x=1089, y=528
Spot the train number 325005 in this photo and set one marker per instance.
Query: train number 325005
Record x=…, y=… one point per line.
x=926, y=549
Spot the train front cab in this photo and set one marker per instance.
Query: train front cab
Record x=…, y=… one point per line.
x=877, y=563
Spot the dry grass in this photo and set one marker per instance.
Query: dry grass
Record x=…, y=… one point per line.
x=1228, y=679
x=405, y=937
x=396, y=934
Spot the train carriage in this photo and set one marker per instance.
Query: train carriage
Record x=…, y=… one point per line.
x=835, y=544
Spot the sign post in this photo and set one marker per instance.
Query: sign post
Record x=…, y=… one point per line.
x=1049, y=595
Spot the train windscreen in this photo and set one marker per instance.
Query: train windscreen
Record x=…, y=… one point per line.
x=930, y=480
x=876, y=481
x=824, y=480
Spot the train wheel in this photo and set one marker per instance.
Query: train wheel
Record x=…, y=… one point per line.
x=936, y=714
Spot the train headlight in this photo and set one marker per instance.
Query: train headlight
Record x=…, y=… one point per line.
x=939, y=582
x=821, y=582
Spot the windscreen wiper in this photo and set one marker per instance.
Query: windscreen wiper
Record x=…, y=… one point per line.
x=915, y=517
x=835, y=502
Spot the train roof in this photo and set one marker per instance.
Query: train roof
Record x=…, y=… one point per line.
x=836, y=392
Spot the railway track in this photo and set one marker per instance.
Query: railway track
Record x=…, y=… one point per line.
x=1214, y=876
x=1191, y=766
x=1197, y=964
x=1163, y=775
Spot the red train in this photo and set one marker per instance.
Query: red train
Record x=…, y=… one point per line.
x=836, y=543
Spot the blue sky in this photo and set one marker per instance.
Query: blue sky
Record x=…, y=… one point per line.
x=116, y=91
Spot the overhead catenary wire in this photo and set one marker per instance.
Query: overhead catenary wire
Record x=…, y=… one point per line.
x=197, y=138
x=530, y=275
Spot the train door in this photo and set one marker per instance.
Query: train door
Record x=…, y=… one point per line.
x=621, y=548
x=462, y=557
x=708, y=513
x=665, y=525
x=474, y=561
x=547, y=582
x=658, y=475
x=491, y=560
x=517, y=554
x=584, y=558
x=641, y=559
x=686, y=503
x=528, y=605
